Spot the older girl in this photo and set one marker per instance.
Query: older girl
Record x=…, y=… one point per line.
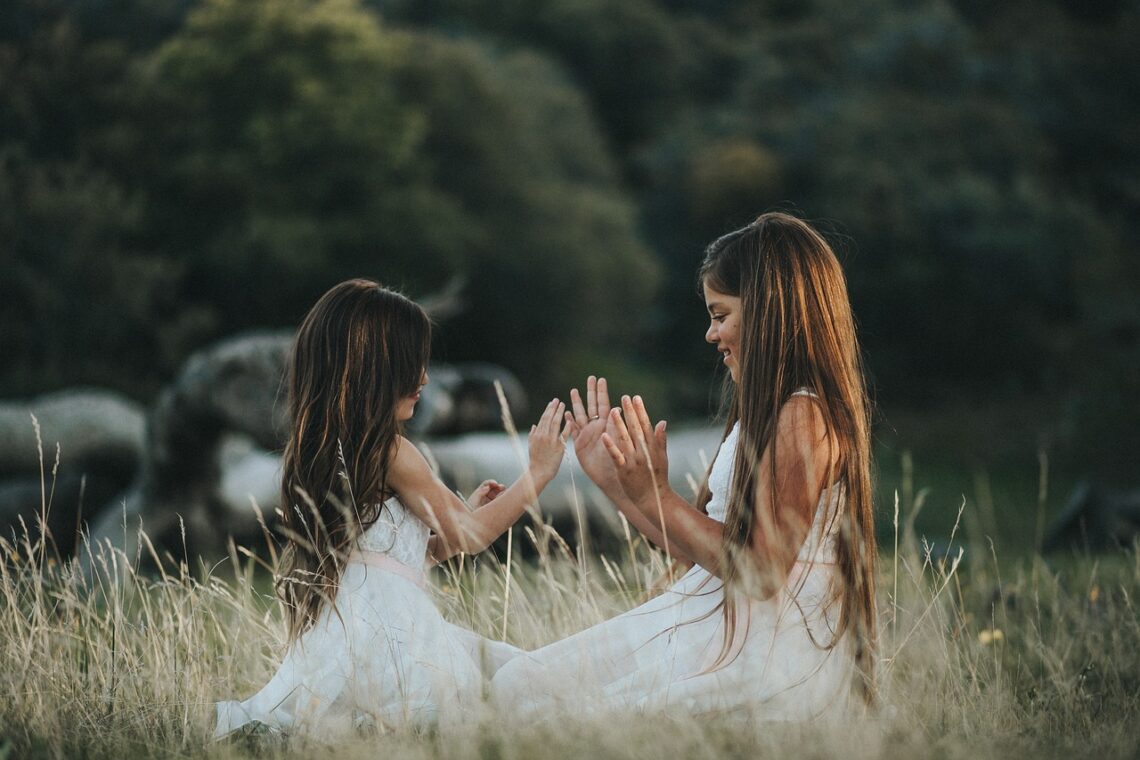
x=366, y=643
x=776, y=616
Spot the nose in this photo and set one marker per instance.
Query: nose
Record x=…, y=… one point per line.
x=711, y=334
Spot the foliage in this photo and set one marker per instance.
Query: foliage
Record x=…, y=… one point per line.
x=215, y=164
x=271, y=148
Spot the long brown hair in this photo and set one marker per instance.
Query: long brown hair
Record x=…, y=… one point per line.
x=359, y=351
x=797, y=332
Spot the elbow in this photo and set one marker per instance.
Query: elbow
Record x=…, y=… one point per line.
x=458, y=539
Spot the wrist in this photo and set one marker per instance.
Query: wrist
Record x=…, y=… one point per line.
x=539, y=477
x=652, y=502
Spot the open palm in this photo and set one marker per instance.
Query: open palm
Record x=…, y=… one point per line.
x=589, y=422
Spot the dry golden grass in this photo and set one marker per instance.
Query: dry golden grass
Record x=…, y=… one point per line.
x=975, y=663
x=980, y=658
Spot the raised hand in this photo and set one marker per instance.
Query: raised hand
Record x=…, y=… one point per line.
x=487, y=492
x=547, y=442
x=638, y=451
x=587, y=423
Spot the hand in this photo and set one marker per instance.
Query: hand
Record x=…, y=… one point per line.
x=487, y=491
x=547, y=443
x=587, y=423
x=638, y=451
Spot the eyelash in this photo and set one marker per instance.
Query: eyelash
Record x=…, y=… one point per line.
x=719, y=317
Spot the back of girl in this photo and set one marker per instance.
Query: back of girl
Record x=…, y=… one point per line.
x=776, y=617
x=364, y=516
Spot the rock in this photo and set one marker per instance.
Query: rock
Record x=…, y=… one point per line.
x=1095, y=518
x=231, y=387
x=100, y=437
x=213, y=433
x=461, y=398
x=467, y=460
x=93, y=428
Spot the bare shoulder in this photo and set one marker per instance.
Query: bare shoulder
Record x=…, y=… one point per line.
x=803, y=426
x=408, y=465
x=802, y=415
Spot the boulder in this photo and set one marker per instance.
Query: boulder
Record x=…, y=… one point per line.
x=100, y=438
x=213, y=435
x=1095, y=518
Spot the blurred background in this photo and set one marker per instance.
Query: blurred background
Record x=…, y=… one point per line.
x=175, y=172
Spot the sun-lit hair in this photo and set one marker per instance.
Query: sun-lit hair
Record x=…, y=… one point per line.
x=797, y=332
x=359, y=351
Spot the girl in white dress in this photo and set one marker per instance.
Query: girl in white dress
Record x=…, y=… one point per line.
x=366, y=643
x=776, y=616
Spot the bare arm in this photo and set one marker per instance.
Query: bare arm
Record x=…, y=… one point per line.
x=785, y=499
x=457, y=527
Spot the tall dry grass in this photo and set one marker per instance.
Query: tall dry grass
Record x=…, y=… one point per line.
x=980, y=657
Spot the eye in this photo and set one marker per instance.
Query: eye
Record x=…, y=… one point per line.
x=719, y=317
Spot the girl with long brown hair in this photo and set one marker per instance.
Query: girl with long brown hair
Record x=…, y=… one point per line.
x=776, y=615
x=363, y=516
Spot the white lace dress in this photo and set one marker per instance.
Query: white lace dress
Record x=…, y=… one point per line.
x=662, y=654
x=388, y=658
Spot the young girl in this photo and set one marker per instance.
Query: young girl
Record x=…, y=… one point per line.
x=360, y=505
x=776, y=617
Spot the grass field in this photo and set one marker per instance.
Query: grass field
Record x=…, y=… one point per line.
x=988, y=650
x=980, y=658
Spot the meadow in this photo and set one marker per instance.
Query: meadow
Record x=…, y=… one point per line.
x=982, y=655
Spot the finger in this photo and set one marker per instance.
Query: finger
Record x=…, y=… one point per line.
x=616, y=429
x=659, y=434
x=551, y=418
x=603, y=391
x=544, y=420
x=580, y=415
x=592, y=397
x=636, y=434
x=556, y=417
x=571, y=425
x=567, y=428
x=643, y=418
x=613, y=450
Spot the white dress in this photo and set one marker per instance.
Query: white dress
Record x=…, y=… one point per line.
x=388, y=658
x=662, y=654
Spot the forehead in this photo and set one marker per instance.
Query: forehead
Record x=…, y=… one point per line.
x=714, y=297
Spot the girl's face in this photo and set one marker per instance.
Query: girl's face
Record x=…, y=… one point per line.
x=406, y=406
x=724, y=327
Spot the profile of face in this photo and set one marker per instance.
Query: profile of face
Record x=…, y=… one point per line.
x=406, y=406
x=724, y=327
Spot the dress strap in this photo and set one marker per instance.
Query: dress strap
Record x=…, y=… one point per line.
x=388, y=563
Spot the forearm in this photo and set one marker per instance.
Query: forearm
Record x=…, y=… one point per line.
x=644, y=525
x=475, y=531
x=684, y=532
